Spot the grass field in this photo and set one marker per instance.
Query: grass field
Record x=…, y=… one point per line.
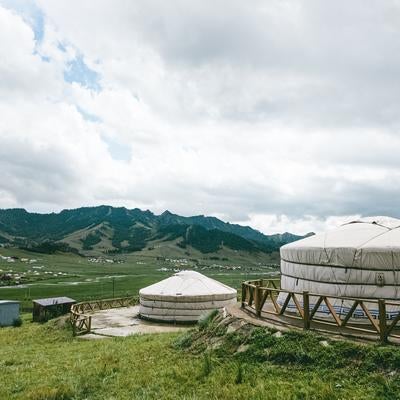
x=44, y=362
x=79, y=278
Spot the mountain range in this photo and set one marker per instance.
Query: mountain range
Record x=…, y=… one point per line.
x=114, y=230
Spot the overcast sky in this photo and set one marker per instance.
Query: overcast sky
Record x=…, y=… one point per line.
x=282, y=115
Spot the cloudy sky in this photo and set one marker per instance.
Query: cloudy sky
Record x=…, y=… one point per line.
x=283, y=115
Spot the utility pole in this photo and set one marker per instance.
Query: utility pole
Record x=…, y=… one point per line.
x=113, y=282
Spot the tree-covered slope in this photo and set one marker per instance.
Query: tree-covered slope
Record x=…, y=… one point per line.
x=118, y=229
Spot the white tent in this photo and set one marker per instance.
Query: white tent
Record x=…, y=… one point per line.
x=184, y=297
x=359, y=259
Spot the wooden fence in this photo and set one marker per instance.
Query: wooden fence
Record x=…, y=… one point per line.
x=82, y=322
x=380, y=324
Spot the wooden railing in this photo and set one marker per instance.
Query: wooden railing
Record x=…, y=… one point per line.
x=82, y=322
x=380, y=324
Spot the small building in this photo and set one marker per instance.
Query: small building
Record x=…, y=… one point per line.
x=184, y=297
x=45, y=309
x=9, y=312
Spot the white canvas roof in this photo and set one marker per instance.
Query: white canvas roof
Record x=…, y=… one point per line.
x=350, y=245
x=188, y=284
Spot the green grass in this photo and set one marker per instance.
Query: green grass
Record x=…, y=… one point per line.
x=44, y=362
x=86, y=280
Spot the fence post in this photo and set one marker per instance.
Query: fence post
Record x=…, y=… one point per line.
x=306, y=310
x=243, y=294
x=257, y=300
x=73, y=328
x=382, y=321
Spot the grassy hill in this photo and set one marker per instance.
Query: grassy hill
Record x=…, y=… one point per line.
x=111, y=230
x=44, y=362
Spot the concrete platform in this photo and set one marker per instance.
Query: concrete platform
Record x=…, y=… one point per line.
x=125, y=321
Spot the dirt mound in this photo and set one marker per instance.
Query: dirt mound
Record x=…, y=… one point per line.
x=217, y=330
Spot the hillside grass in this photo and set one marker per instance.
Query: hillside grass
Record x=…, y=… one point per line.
x=39, y=362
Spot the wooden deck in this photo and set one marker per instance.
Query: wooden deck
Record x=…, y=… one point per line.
x=260, y=303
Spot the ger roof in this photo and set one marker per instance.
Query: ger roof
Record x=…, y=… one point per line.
x=54, y=300
x=372, y=242
x=188, y=283
x=9, y=302
x=354, y=234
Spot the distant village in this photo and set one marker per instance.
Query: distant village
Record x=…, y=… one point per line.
x=35, y=272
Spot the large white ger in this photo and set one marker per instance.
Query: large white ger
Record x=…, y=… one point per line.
x=184, y=297
x=358, y=259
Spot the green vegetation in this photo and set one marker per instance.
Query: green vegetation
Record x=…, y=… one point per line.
x=90, y=240
x=17, y=322
x=295, y=364
x=44, y=362
x=33, y=275
x=117, y=230
x=210, y=241
x=48, y=247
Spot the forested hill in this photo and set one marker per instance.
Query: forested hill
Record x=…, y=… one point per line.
x=118, y=229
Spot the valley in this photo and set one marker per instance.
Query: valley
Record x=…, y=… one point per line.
x=35, y=275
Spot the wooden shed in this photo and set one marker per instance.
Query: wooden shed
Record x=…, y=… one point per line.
x=45, y=309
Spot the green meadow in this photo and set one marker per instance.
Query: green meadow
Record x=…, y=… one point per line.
x=44, y=362
x=80, y=278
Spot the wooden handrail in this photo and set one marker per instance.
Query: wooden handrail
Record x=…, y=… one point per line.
x=82, y=322
x=256, y=292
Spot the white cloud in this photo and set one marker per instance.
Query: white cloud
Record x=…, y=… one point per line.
x=280, y=115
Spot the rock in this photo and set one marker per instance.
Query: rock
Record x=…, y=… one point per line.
x=277, y=334
x=235, y=325
x=231, y=329
x=324, y=343
x=242, y=348
x=216, y=344
x=227, y=321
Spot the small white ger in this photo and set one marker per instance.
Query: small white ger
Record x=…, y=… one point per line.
x=184, y=297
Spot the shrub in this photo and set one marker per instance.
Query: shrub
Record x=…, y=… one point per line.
x=184, y=341
x=17, y=322
x=206, y=319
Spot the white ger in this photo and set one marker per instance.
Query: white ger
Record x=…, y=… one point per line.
x=184, y=297
x=358, y=259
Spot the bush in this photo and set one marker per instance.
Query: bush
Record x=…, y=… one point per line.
x=184, y=341
x=206, y=319
x=17, y=322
